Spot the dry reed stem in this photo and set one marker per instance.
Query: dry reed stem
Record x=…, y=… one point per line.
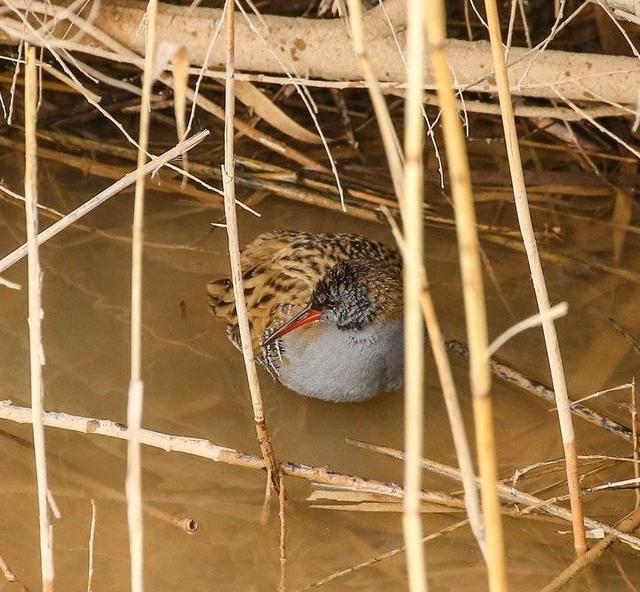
x=528, y=111
x=208, y=450
x=228, y=180
x=475, y=311
x=92, y=538
x=283, y=536
x=555, y=312
x=511, y=494
x=413, y=327
x=133, y=483
x=629, y=524
x=634, y=428
x=445, y=376
x=394, y=158
x=542, y=391
x=542, y=297
x=11, y=578
x=160, y=183
x=100, y=198
x=36, y=351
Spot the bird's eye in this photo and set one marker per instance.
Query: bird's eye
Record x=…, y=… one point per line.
x=332, y=302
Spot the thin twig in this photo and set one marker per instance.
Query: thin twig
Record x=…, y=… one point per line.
x=382, y=556
x=542, y=391
x=100, y=198
x=8, y=574
x=228, y=180
x=510, y=494
x=36, y=351
x=206, y=449
x=629, y=524
x=630, y=339
x=557, y=311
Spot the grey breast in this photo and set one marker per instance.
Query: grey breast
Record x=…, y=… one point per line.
x=343, y=365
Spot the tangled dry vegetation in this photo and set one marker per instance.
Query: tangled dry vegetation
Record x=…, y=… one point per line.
x=305, y=101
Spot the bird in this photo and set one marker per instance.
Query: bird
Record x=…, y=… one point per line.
x=325, y=312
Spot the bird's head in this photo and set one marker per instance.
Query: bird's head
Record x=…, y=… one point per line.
x=352, y=295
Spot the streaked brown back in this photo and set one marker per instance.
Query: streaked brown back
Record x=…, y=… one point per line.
x=280, y=273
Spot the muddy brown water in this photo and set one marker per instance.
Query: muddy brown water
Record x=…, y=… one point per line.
x=195, y=386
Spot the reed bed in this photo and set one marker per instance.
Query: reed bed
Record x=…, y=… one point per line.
x=308, y=111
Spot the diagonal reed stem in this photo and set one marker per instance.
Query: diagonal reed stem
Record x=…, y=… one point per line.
x=36, y=352
x=228, y=174
x=114, y=189
x=537, y=276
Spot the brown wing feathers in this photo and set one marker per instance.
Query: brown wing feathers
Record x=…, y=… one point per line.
x=280, y=272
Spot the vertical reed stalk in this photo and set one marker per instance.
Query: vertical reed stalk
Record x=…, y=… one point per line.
x=537, y=276
x=283, y=538
x=413, y=328
x=475, y=311
x=133, y=484
x=36, y=352
x=634, y=431
x=92, y=538
x=228, y=181
x=394, y=159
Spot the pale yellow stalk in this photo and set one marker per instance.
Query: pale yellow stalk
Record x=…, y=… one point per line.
x=475, y=311
x=413, y=327
x=537, y=276
x=36, y=352
x=133, y=483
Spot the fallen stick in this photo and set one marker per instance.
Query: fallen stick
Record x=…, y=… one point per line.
x=306, y=43
x=629, y=524
x=544, y=392
x=206, y=449
x=510, y=494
